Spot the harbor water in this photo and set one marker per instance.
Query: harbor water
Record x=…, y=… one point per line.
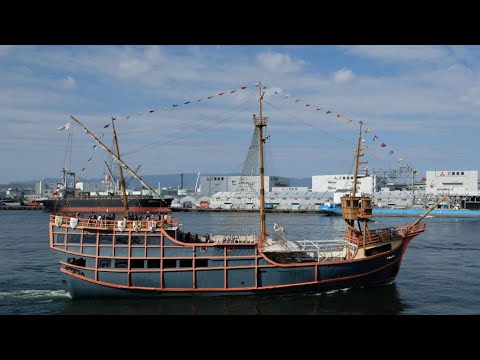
x=440, y=273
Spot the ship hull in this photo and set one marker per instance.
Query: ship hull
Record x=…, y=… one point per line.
x=105, y=205
x=79, y=288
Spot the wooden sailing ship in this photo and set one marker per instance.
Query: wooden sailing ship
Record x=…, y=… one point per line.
x=154, y=257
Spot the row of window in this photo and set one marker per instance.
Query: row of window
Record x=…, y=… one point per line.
x=106, y=239
x=140, y=263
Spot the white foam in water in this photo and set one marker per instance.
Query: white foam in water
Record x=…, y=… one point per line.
x=344, y=290
x=33, y=294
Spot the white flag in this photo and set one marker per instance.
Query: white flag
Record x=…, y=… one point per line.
x=64, y=127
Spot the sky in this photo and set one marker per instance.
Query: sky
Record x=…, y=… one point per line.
x=421, y=102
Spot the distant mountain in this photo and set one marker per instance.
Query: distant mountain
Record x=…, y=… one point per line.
x=169, y=181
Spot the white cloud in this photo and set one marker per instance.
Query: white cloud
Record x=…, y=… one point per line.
x=277, y=62
x=400, y=53
x=67, y=82
x=343, y=76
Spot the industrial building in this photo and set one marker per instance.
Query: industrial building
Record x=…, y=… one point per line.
x=212, y=184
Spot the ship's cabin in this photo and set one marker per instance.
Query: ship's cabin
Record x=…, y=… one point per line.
x=356, y=207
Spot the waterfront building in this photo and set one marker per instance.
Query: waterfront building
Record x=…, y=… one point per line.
x=212, y=184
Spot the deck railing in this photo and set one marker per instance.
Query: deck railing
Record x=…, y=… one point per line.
x=386, y=234
x=167, y=221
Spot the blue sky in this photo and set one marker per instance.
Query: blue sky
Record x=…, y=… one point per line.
x=421, y=101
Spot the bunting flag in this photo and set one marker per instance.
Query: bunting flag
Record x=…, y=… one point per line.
x=83, y=169
x=423, y=179
x=281, y=94
x=94, y=146
x=64, y=127
x=106, y=126
x=90, y=158
x=399, y=159
x=338, y=115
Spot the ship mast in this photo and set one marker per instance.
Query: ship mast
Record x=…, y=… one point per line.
x=260, y=123
x=357, y=158
x=115, y=157
x=120, y=171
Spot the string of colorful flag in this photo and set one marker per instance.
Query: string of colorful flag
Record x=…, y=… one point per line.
x=322, y=109
x=296, y=100
x=169, y=107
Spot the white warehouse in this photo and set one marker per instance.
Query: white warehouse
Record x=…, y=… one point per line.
x=453, y=182
x=212, y=184
x=339, y=183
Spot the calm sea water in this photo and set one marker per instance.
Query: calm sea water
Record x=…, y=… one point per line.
x=440, y=273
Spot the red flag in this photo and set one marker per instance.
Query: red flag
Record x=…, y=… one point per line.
x=375, y=137
x=243, y=87
x=383, y=144
x=221, y=94
x=199, y=99
x=339, y=115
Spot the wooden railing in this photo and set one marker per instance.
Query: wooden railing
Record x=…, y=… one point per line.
x=386, y=234
x=167, y=221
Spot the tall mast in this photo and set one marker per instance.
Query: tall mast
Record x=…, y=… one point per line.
x=260, y=122
x=115, y=157
x=357, y=158
x=120, y=171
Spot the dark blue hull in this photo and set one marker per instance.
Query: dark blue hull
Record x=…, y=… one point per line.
x=377, y=270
